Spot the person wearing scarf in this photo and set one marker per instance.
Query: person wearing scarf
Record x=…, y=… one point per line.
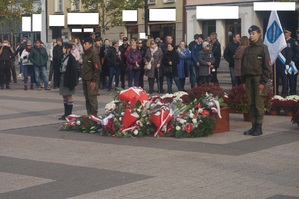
x=155, y=55
x=68, y=79
x=28, y=69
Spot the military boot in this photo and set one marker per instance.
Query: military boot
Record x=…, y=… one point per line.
x=250, y=131
x=258, y=130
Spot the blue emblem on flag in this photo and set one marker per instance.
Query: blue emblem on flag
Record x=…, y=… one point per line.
x=274, y=32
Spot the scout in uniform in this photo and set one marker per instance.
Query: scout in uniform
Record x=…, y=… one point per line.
x=255, y=73
x=91, y=69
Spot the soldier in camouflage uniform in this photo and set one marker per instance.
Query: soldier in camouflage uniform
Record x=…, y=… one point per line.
x=91, y=69
x=255, y=71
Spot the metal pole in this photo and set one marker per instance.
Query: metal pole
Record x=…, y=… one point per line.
x=44, y=23
x=274, y=78
x=146, y=14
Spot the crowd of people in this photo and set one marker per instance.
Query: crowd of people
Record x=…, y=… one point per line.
x=125, y=63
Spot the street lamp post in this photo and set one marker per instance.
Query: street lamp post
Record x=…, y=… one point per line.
x=44, y=21
x=146, y=13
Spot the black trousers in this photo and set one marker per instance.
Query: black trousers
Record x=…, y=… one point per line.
x=292, y=83
x=5, y=75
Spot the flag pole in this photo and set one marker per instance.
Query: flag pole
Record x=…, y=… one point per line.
x=274, y=78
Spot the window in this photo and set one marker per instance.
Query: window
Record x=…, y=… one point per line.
x=151, y=2
x=58, y=5
x=208, y=27
x=76, y=6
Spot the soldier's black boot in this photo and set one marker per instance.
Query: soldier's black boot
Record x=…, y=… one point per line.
x=258, y=130
x=250, y=131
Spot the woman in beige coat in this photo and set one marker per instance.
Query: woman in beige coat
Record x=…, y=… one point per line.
x=155, y=55
x=244, y=42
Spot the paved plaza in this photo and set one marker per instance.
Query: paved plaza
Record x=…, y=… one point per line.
x=39, y=162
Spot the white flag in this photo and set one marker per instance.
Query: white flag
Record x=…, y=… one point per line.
x=274, y=37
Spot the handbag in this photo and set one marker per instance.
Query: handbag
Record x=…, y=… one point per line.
x=167, y=70
x=148, y=66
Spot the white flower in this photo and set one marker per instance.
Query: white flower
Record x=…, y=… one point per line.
x=120, y=118
x=191, y=115
x=292, y=97
x=139, y=123
x=167, y=95
x=177, y=128
x=110, y=106
x=122, y=113
x=135, y=132
x=179, y=94
x=78, y=123
x=278, y=97
x=182, y=121
x=194, y=121
x=200, y=110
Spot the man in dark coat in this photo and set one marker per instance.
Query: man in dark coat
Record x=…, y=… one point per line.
x=192, y=43
x=216, y=49
x=57, y=56
x=6, y=52
x=122, y=50
x=194, y=73
x=228, y=55
x=293, y=48
x=39, y=57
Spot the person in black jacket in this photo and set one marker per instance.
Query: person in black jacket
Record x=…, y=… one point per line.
x=291, y=76
x=113, y=62
x=216, y=49
x=171, y=60
x=281, y=76
x=142, y=47
x=6, y=52
x=68, y=79
x=57, y=55
x=229, y=53
x=123, y=49
x=105, y=69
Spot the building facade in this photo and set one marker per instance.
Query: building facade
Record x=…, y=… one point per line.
x=130, y=29
x=226, y=27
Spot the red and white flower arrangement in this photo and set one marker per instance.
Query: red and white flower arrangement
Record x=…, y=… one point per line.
x=134, y=114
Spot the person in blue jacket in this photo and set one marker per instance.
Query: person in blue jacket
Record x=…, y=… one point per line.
x=184, y=65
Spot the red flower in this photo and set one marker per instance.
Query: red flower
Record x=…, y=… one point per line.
x=86, y=124
x=170, y=128
x=197, y=106
x=83, y=117
x=188, y=128
x=205, y=113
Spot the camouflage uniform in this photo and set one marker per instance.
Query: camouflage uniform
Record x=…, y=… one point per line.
x=91, y=69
